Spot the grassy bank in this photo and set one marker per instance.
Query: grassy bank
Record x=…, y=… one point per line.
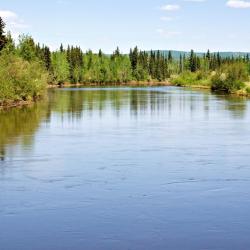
x=230, y=79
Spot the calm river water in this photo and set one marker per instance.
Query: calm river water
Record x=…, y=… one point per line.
x=126, y=168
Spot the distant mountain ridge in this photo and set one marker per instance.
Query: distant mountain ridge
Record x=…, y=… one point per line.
x=176, y=53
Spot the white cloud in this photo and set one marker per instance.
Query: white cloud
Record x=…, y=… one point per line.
x=171, y=7
x=239, y=4
x=13, y=22
x=168, y=34
x=7, y=14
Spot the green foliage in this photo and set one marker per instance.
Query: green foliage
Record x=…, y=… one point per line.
x=60, y=66
x=230, y=78
x=10, y=45
x=248, y=90
x=27, y=48
x=19, y=79
x=189, y=78
x=25, y=68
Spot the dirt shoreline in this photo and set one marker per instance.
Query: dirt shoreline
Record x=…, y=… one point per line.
x=129, y=84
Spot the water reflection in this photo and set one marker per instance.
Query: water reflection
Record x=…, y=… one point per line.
x=236, y=105
x=142, y=101
x=168, y=164
x=18, y=126
x=79, y=101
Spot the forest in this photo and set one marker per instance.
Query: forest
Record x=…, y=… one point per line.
x=27, y=68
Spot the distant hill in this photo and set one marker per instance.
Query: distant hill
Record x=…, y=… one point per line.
x=176, y=54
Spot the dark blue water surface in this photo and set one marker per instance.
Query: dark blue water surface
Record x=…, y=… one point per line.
x=126, y=168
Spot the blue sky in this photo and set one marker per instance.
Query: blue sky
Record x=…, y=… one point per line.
x=220, y=25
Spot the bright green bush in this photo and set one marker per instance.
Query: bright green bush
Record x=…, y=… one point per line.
x=189, y=78
x=230, y=78
x=60, y=67
x=19, y=79
x=248, y=90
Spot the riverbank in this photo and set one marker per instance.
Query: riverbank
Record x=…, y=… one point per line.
x=8, y=104
x=128, y=84
x=230, y=82
x=18, y=103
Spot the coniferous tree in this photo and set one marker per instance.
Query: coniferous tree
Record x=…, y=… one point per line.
x=134, y=58
x=152, y=64
x=192, y=61
x=208, y=56
x=3, y=39
x=181, y=68
x=47, y=58
x=218, y=58
x=61, y=48
x=117, y=52
x=170, y=57
x=158, y=63
x=100, y=54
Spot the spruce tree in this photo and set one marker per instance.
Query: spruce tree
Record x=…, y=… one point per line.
x=47, y=58
x=208, y=56
x=192, y=61
x=61, y=48
x=218, y=59
x=3, y=39
x=100, y=54
x=134, y=58
x=170, y=57
x=180, y=64
x=117, y=52
x=158, y=63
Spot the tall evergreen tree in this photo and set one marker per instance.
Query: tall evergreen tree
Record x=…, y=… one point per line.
x=47, y=58
x=100, y=54
x=192, y=62
x=170, y=57
x=61, y=48
x=181, y=68
x=3, y=39
x=208, y=56
x=134, y=58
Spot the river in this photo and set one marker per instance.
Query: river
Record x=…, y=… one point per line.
x=126, y=168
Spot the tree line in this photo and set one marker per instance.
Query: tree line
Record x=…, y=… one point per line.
x=37, y=65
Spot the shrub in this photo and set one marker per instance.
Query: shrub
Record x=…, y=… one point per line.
x=230, y=78
x=192, y=78
x=19, y=79
x=248, y=90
